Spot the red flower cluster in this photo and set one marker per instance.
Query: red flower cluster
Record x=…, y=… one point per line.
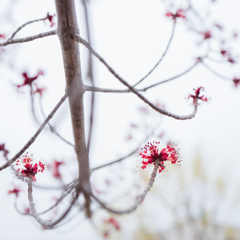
x=27, y=168
x=236, y=82
x=197, y=95
x=178, y=14
x=50, y=19
x=14, y=191
x=56, y=172
x=151, y=153
x=29, y=80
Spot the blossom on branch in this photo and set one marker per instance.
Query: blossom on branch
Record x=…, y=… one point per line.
x=50, y=19
x=236, y=82
x=196, y=96
x=29, y=80
x=150, y=153
x=14, y=191
x=27, y=168
x=206, y=35
x=179, y=14
x=39, y=90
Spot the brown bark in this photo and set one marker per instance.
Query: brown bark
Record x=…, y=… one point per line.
x=67, y=25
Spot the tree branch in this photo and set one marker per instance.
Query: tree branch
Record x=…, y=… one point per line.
x=24, y=25
x=67, y=25
x=45, y=224
x=169, y=42
x=162, y=111
x=34, y=137
x=139, y=199
x=52, y=129
x=29, y=39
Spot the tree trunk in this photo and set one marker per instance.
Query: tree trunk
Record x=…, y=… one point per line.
x=67, y=25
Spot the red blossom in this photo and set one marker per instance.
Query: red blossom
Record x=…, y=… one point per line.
x=56, y=172
x=27, y=168
x=206, y=35
x=29, y=80
x=39, y=90
x=197, y=95
x=150, y=153
x=50, y=19
x=236, y=82
x=27, y=210
x=179, y=14
x=14, y=191
x=5, y=151
x=231, y=60
x=2, y=36
x=113, y=222
x=224, y=53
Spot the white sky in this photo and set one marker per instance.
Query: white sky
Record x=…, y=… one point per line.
x=131, y=36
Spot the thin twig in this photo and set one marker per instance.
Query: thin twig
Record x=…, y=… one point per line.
x=24, y=25
x=52, y=129
x=169, y=42
x=29, y=39
x=106, y=90
x=162, y=111
x=139, y=199
x=216, y=73
x=34, y=137
x=45, y=224
x=128, y=155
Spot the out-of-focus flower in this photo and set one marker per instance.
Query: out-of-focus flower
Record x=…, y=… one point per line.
x=179, y=14
x=15, y=191
x=50, y=19
x=29, y=80
x=236, y=82
x=2, y=36
x=39, y=90
x=56, y=172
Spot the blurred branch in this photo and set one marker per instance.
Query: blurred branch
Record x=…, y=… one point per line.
x=34, y=137
x=139, y=199
x=52, y=129
x=169, y=42
x=162, y=111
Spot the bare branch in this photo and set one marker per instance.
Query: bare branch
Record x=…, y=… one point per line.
x=24, y=25
x=169, y=42
x=29, y=39
x=162, y=111
x=128, y=155
x=216, y=73
x=52, y=129
x=139, y=199
x=45, y=224
x=34, y=137
x=106, y=90
x=172, y=78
